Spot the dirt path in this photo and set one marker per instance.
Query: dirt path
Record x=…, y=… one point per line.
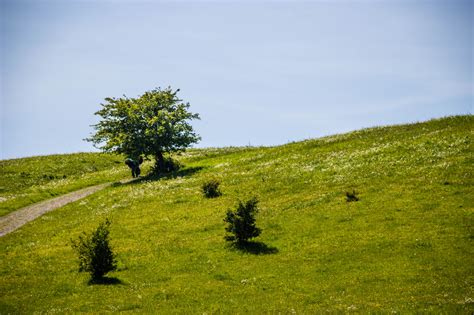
x=16, y=219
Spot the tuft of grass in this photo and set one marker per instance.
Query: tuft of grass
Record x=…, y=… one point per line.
x=351, y=196
x=400, y=250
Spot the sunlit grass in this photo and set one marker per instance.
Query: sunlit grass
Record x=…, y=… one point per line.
x=405, y=246
x=29, y=180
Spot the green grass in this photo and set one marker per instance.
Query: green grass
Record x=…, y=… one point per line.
x=405, y=246
x=29, y=180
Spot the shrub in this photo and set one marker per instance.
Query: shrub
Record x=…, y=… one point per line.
x=241, y=222
x=352, y=196
x=95, y=254
x=169, y=165
x=211, y=189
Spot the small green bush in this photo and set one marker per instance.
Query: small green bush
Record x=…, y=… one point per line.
x=351, y=196
x=211, y=189
x=95, y=253
x=169, y=164
x=241, y=222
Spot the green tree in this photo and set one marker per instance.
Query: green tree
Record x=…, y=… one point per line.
x=155, y=123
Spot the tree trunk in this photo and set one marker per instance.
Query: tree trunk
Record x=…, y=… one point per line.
x=160, y=162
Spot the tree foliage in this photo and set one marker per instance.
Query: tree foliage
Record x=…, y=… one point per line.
x=155, y=123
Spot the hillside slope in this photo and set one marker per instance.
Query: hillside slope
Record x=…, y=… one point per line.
x=28, y=180
x=406, y=245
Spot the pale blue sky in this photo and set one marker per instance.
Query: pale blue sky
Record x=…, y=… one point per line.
x=259, y=73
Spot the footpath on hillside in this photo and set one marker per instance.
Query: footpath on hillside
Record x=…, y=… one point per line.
x=16, y=219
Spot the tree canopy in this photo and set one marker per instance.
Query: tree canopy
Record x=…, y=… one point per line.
x=157, y=122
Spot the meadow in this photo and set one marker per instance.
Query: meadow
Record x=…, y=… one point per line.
x=405, y=246
x=30, y=180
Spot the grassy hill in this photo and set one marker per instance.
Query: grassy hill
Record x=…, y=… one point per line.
x=406, y=245
x=29, y=180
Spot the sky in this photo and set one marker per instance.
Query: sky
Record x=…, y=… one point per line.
x=257, y=72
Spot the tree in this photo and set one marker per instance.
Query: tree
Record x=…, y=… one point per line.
x=155, y=123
